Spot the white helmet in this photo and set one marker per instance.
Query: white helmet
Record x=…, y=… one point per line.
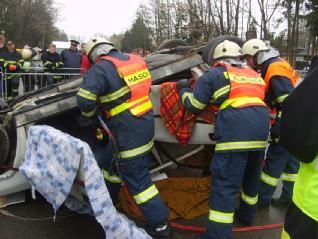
x=26, y=53
x=227, y=49
x=253, y=46
x=95, y=41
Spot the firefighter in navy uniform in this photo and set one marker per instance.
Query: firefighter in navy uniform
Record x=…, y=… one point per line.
x=121, y=84
x=52, y=62
x=12, y=64
x=280, y=79
x=241, y=131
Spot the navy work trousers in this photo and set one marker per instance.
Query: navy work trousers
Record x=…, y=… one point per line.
x=278, y=163
x=135, y=173
x=230, y=172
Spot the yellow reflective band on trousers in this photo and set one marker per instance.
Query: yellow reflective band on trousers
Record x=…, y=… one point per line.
x=137, y=151
x=87, y=94
x=241, y=101
x=111, y=178
x=240, y=145
x=146, y=195
x=89, y=114
x=221, y=217
x=115, y=95
x=289, y=177
x=249, y=200
x=285, y=235
x=194, y=102
x=221, y=92
x=269, y=180
x=280, y=99
x=126, y=105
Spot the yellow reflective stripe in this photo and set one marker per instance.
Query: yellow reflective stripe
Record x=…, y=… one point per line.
x=197, y=104
x=184, y=96
x=115, y=95
x=124, y=106
x=249, y=200
x=239, y=101
x=141, y=108
x=240, y=145
x=111, y=178
x=269, y=180
x=87, y=94
x=221, y=217
x=280, y=99
x=289, y=177
x=226, y=74
x=220, y=92
x=146, y=195
x=137, y=151
x=285, y=235
x=46, y=63
x=89, y=114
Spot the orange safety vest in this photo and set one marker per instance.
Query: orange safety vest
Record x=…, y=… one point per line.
x=137, y=77
x=247, y=87
x=280, y=68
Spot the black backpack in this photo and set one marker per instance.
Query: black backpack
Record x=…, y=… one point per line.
x=299, y=124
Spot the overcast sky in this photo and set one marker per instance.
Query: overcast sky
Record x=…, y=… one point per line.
x=85, y=18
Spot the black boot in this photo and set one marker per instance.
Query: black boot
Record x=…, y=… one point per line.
x=161, y=230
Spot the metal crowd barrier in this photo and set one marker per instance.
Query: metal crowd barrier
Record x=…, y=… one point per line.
x=33, y=78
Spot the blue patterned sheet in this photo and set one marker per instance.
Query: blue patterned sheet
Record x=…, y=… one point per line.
x=52, y=161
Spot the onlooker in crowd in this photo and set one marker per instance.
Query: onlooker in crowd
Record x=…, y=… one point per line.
x=135, y=52
x=3, y=49
x=85, y=64
x=52, y=62
x=140, y=51
x=29, y=79
x=72, y=58
x=12, y=64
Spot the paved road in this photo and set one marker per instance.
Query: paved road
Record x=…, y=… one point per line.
x=33, y=220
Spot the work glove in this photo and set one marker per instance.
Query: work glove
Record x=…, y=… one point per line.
x=184, y=83
x=12, y=67
x=84, y=121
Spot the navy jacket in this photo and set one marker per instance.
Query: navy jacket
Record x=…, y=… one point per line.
x=72, y=59
x=102, y=79
x=235, y=126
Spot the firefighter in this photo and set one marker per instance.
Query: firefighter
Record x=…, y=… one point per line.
x=12, y=64
x=52, y=62
x=121, y=84
x=241, y=131
x=280, y=79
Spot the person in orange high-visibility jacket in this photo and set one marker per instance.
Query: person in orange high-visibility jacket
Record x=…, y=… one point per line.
x=280, y=79
x=120, y=85
x=241, y=131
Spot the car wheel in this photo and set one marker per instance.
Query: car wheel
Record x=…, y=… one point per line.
x=208, y=51
x=172, y=43
x=4, y=145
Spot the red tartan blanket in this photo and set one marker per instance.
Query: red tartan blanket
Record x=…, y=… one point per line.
x=176, y=118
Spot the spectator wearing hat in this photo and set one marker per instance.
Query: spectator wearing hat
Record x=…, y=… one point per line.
x=72, y=58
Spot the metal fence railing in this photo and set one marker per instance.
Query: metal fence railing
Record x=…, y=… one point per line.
x=32, y=79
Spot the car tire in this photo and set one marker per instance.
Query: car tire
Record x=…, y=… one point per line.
x=208, y=51
x=4, y=145
x=172, y=43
